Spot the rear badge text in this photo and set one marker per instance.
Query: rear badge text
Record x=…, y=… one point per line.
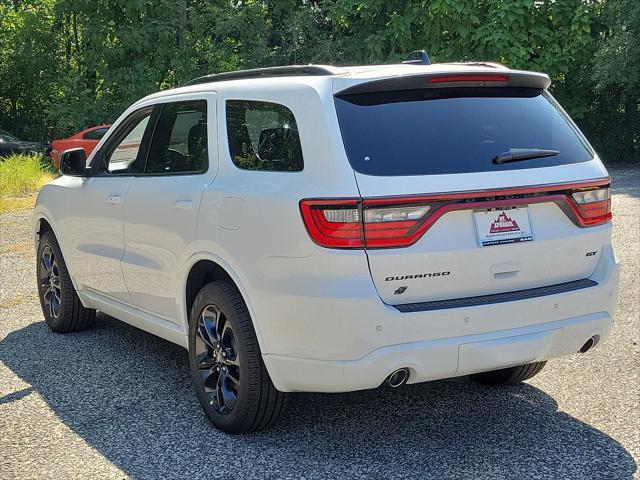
x=417, y=276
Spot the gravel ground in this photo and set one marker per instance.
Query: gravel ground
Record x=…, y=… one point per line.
x=115, y=402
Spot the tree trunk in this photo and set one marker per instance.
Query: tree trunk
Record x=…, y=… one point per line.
x=182, y=28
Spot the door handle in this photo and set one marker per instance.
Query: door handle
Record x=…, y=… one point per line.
x=113, y=199
x=182, y=204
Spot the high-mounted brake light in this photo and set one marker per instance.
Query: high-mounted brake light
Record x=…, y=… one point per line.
x=468, y=78
x=394, y=222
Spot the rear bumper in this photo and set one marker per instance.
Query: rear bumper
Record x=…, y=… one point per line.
x=452, y=342
x=436, y=359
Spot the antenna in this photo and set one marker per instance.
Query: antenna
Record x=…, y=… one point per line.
x=418, y=57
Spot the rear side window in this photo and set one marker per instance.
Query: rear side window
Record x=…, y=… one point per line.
x=179, y=144
x=455, y=130
x=263, y=136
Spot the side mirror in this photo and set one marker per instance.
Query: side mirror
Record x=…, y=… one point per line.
x=74, y=163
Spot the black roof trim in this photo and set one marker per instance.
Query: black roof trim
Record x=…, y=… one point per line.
x=284, y=71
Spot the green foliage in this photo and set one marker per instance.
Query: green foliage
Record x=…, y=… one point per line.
x=28, y=58
x=112, y=53
x=616, y=74
x=553, y=37
x=70, y=64
x=23, y=174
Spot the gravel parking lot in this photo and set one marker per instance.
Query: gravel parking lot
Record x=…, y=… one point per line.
x=115, y=402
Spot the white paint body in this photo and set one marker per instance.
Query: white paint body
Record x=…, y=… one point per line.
x=324, y=319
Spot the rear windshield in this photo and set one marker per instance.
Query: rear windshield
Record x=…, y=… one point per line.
x=455, y=130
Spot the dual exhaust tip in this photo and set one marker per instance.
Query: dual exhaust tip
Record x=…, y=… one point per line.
x=589, y=344
x=397, y=378
x=400, y=376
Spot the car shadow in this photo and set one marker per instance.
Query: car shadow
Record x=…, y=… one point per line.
x=129, y=395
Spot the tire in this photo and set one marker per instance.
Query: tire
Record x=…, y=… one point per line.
x=63, y=312
x=509, y=376
x=231, y=381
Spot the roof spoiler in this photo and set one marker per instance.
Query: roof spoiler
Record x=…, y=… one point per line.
x=480, y=78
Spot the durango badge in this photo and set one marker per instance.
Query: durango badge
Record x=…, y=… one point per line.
x=417, y=276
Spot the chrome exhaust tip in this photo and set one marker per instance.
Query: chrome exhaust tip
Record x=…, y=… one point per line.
x=397, y=378
x=589, y=344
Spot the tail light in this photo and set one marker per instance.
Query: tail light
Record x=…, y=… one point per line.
x=353, y=223
x=393, y=225
x=593, y=206
x=399, y=222
x=333, y=223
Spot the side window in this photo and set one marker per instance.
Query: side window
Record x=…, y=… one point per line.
x=96, y=134
x=263, y=136
x=121, y=159
x=179, y=144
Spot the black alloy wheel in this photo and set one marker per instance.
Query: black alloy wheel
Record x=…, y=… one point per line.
x=62, y=309
x=218, y=359
x=50, y=282
x=229, y=375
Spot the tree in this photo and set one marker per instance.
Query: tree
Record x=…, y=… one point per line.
x=616, y=73
x=70, y=64
x=115, y=53
x=28, y=66
x=549, y=36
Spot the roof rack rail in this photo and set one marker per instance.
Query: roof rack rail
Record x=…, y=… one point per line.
x=284, y=71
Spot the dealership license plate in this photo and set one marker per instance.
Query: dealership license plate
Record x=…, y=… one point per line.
x=503, y=225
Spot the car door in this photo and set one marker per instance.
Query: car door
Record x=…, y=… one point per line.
x=162, y=203
x=93, y=227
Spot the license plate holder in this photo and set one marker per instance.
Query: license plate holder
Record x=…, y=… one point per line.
x=497, y=226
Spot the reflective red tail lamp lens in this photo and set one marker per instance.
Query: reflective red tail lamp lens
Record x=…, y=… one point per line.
x=400, y=222
x=354, y=224
x=593, y=206
x=333, y=223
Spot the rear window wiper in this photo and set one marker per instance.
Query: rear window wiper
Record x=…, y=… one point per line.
x=519, y=154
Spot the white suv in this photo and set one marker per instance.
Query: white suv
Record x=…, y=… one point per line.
x=313, y=228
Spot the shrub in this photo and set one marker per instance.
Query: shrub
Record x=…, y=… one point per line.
x=22, y=175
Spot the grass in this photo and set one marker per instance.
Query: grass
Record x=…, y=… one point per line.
x=21, y=176
x=13, y=204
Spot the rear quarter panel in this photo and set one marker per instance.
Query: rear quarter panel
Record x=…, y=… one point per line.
x=252, y=220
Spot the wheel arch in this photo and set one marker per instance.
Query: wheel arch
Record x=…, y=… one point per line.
x=42, y=223
x=205, y=268
x=201, y=273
